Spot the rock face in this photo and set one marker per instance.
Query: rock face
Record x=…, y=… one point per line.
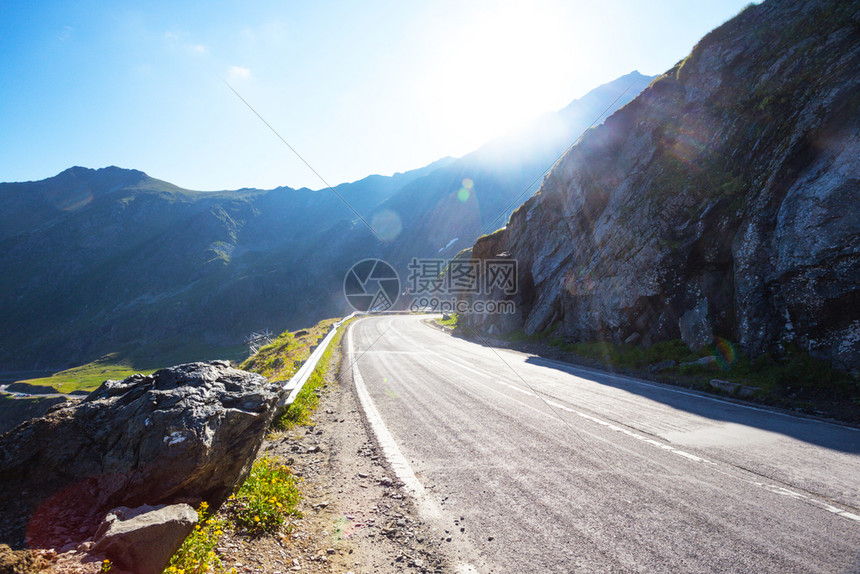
x=15, y=411
x=143, y=539
x=723, y=201
x=183, y=434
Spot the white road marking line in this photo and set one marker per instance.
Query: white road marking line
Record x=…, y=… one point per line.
x=776, y=489
x=393, y=455
x=562, y=407
x=384, y=352
x=573, y=369
x=383, y=436
x=577, y=370
x=770, y=487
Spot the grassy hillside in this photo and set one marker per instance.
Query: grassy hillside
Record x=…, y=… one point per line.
x=144, y=360
x=280, y=360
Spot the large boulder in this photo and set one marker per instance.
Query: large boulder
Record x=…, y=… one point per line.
x=184, y=434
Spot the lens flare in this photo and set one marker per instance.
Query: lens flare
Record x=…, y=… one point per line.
x=724, y=352
x=691, y=144
x=387, y=224
x=465, y=192
x=76, y=200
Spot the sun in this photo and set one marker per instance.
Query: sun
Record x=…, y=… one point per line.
x=492, y=73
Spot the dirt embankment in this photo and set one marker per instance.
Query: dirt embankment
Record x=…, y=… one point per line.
x=356, y=517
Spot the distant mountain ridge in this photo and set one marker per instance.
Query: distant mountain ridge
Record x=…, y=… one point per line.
x=112, y=260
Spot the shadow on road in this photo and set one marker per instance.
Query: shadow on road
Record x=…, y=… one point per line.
x=835, y=436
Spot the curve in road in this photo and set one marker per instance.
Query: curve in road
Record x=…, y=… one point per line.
x=529, y=465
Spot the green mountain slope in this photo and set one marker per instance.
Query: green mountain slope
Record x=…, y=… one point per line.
x=114, y=261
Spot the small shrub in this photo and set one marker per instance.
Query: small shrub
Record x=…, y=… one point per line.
x=675, y=350
x=197, y=553
x=304, y=405
x=520, y=336
x=267, y=498
x=307, y=400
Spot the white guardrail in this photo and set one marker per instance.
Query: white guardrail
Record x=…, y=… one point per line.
x=295, y=384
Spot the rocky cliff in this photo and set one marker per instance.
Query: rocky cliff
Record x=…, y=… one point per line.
x=723, y=201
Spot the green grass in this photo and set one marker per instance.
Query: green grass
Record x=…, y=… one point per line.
x=267, y=498
x=307, y=400
x=795, y=371
x=281, y=360
x=792, y=379
x=451, y=321
x=88, y=377
x=197, y=553
x=631, y=356
x=145, y=360
x=283, y=357
x=262, y=505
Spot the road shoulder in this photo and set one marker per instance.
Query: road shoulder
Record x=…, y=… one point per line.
x=356, y=516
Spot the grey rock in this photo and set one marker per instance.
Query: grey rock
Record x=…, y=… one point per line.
x=704, y=361
x=734, y=388
x=183, y=434
x=662, y=365
x=748, y=391
x=695, y=326
x=143, y=539
x=633, y=339
x=726, y=386
x=15, y=411
x=721, y=202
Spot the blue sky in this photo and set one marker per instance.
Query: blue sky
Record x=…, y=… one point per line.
x=355, y=87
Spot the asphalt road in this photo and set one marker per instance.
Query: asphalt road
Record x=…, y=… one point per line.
x=548, y=467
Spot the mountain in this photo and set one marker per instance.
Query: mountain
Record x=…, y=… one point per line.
x=724, y=201
x=109, y=260
x=445, y=211
x=114, y=261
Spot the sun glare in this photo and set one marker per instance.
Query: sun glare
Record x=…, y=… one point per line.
x=490, y=73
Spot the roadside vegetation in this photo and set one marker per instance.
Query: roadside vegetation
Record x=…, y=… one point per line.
x=307, y=400
x=792, y=379
x=268, y=500
x=197, y=553
x=283, y=357
x=449, y=321
x=281, y=360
